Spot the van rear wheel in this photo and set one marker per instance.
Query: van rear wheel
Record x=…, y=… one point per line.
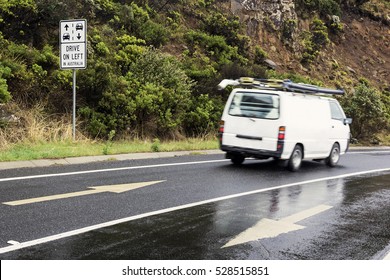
x=334, y=156
x=237, y=159
x=295, y=161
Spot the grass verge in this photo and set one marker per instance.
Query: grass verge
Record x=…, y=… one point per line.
x=63, y=149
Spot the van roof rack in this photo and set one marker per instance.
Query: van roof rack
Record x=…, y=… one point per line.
x=275, y=84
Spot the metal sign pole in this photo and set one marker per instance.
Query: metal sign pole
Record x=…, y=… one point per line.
x=74, y=106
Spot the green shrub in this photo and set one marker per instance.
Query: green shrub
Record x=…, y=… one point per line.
x=129, y=48
x=288, y=29
x=136, y=20
x=368, y=111
x=228, y=27
x=260, y=55
x=102, y=49
x=5, y=73
x=96, y=122
x=47, y=58
x=216, y=47
x=324, y=7
x=166, y=87
x=319, y=33
x=99, y=77
x=198, y=66
x=174, y=19
x=107, y=146
x=203, y=116
x=149, y=101
x=20, y=17
x=314, y=41
x=156, y=145
x=5, y=96
x=153, y=33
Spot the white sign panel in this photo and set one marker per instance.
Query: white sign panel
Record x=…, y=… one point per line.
x=73, y=41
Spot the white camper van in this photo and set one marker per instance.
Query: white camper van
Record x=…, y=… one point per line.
x=282, y=120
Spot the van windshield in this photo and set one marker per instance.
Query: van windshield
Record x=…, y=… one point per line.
x=255, y=105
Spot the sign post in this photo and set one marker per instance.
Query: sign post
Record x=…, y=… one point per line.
x=73, y=53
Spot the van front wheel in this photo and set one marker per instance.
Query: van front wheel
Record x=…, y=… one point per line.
x=295, y=161
x=334, y=156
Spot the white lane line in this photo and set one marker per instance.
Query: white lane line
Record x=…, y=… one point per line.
x=387, y=257
x=145, y=166
x=171, y=209
x=369, y=152
x=108, y=170
x=134, y=167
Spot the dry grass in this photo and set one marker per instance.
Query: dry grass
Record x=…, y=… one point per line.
x=36, y=135
x=34, y=125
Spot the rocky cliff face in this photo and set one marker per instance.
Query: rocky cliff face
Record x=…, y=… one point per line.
x=276, y=11
x=360, y=48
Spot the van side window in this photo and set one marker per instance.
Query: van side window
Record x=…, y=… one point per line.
x=336, y=111
x=255, y=105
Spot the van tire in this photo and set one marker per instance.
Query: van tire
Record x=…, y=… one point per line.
x=295, y=161
x=334, y=156
x=237, y=159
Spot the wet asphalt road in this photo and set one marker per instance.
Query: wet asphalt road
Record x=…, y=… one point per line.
x=334, y=217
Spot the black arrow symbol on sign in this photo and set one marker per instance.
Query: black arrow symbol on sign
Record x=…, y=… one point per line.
x=66, y=27
x=79, y=36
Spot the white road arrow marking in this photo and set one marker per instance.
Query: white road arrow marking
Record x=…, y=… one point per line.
x=93, y=190
x=267, y=228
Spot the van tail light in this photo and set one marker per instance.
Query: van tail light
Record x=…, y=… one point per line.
x=221, y=131
x=282, y=133
x=281, y=137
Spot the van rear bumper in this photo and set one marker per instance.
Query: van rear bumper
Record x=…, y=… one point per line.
x=247, y=152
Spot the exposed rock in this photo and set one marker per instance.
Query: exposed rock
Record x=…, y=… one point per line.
x=351, y=70
x=6, y=116
x=271, y=64
x=278, y=11
x=336, y=19
x=362, y=44
x=304, y=69
x=276, y=15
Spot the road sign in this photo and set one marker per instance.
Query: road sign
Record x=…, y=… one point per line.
x=73, y=44
x=73, y=52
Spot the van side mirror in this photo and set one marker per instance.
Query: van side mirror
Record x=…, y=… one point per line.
x=347, y=121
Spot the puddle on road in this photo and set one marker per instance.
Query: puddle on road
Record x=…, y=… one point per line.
x=355, y=227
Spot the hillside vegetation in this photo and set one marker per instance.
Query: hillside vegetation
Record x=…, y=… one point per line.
x=153, y=66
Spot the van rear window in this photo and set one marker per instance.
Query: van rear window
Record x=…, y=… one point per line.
x=255, y=105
